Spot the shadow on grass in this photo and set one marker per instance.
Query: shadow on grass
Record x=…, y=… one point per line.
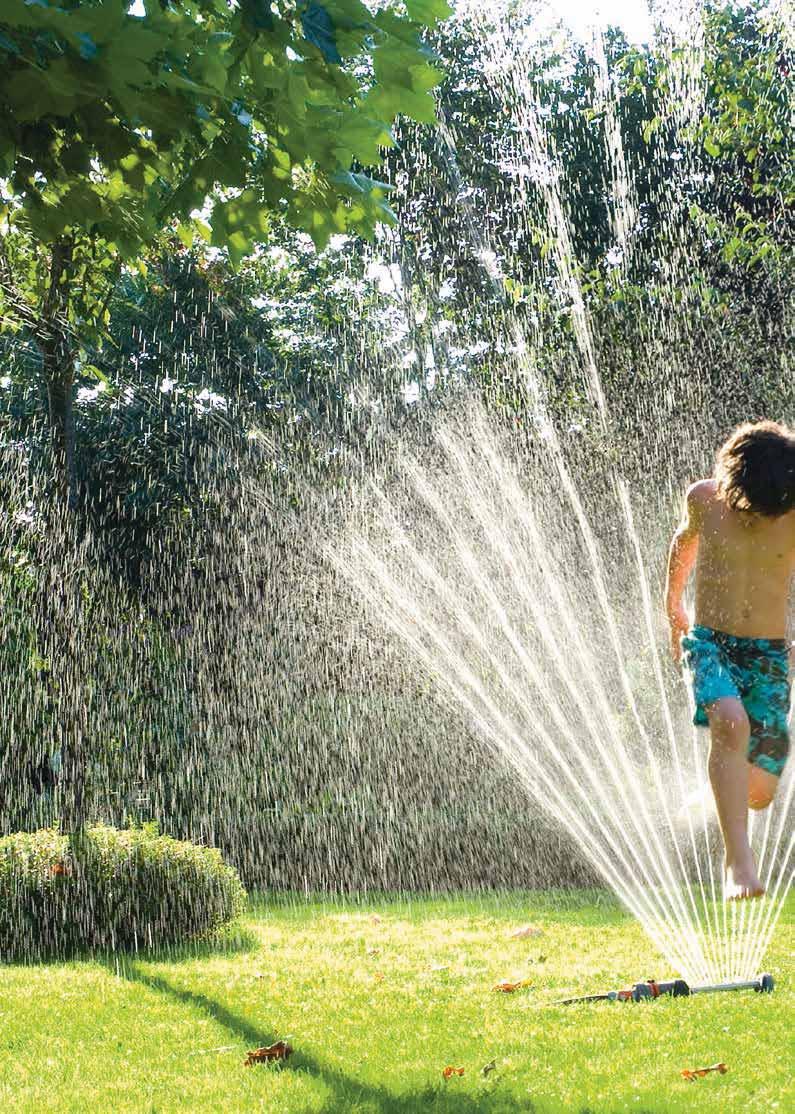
x=346, y=1091
x=231, y=941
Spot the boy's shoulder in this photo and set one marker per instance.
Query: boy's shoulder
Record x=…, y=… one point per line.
x=702, y=492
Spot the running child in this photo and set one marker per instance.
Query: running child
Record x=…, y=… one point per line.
x=738, y=530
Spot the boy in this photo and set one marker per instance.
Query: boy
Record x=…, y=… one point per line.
x=739, y=531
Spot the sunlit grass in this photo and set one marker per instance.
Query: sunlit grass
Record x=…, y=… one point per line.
x=377, y=998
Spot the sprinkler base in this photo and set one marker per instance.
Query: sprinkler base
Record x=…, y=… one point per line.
x=675, y=988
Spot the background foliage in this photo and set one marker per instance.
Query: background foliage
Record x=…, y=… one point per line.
x=251, y=361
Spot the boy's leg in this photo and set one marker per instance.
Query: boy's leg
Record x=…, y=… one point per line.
x=728, y=773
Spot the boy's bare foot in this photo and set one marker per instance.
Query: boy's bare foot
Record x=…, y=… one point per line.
x=742, y=881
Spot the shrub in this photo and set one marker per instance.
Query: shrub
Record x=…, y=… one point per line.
x=123, y=890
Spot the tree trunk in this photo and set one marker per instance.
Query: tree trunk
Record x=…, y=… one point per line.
x=59, y=377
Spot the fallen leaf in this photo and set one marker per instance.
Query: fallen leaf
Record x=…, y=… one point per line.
x=541, y=959
x=526, y=931
x=278, y=1051
x=508, y=987
x=450, y=1070
x=59, y=869
x=692, y=1074
x=375, y=919
x=379, y=976
x=489, y=1067
x=373, y=951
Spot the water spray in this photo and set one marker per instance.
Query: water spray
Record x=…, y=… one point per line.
x=676, y=988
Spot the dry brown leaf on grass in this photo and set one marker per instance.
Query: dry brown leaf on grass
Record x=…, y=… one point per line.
x=450, y=1070
x=375, y=919
x=508, y=987
x=278, y=1051
x=373, y=951
x=526, y=931
x=692, y=1074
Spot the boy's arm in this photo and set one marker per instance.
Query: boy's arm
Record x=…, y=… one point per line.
x=681, y=559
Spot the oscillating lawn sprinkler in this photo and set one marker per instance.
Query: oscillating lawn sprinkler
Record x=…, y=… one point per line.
x=676, y=988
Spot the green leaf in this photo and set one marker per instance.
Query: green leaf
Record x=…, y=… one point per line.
x=761, y=254
x=388, y=103
x=359, y=138
x=318, y=28
x=257, y=15
x=92, y=369
x=185, y=234
x=711, y=147
x=86, y=46
x=730, y=249
x=8, y=157
x=8, y=45
x=239, y=223
x=650, y=127
x=428, y=11
x=356, y=184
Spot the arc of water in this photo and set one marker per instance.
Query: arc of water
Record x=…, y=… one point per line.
x=758, y=912
x=635, y=898
x=652, y=866
x=606, y=609
x=622, y=201
x=652, y=863
x=767, y=916
x=491, y=527
x=777, y=903
x=730, y=947
x=668, y=719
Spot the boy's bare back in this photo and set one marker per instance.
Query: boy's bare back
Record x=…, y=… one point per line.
x=744, y=566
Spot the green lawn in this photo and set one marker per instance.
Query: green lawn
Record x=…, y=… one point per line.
x=377, y=999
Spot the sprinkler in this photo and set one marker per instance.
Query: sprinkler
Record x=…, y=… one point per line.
x=676, y=988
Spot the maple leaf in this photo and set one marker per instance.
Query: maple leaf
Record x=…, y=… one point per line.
x=692, y=1074
x=508, y=987
x=450, y=1070
x=278, y=1051
x=527, y=930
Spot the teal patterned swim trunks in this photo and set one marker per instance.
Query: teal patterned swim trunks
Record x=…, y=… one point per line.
x=753, y=670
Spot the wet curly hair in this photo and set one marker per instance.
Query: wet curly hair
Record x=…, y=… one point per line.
x=755, y=469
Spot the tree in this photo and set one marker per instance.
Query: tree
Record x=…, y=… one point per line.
x=197, y=113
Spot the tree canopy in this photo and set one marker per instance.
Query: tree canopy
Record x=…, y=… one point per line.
x=203, y=115
x=114, y=124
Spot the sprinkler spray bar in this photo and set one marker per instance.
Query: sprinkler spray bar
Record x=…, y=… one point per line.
x=676, y=988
